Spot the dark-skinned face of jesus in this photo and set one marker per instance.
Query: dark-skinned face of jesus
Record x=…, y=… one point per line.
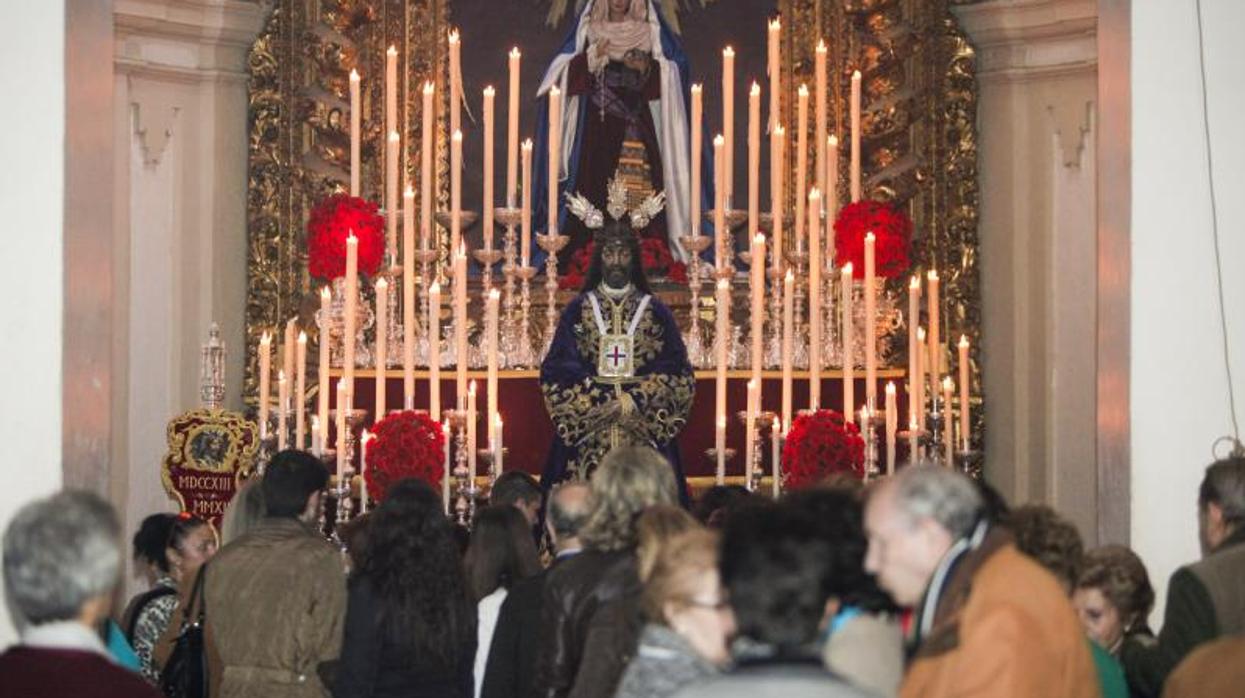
x=616, y=264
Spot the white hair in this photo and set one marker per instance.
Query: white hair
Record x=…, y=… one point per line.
x=934, y=492
x=59, y=553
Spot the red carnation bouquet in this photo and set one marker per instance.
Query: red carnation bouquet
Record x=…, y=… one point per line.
x=821, y=444
x=407, y=444
x=891, y=228
x=655, y=259
x=332, y=220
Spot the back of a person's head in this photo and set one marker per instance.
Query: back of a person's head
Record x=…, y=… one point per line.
x=677, y=569
x=656, y=526
x=151, y=540
x=244, y=512
x=628, y=480
x=515, y=486
x=59, y=553
x=776, y=570
x=838, y=517
x=501, y=551
x=947, y=497
x=1120, y=575
x=290, y=480
x=712, y=506
x=1224, y=486
x=1048, y=538
x=568, y=509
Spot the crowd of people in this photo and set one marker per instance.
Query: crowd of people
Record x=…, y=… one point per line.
x=922, y=584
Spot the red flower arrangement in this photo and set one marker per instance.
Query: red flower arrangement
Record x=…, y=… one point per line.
x=893, y=232
x=655, y=259
x=407, y=444
x=820, y=444
x=331, y=222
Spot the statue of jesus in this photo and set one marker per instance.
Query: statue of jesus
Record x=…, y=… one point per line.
x=617, y=372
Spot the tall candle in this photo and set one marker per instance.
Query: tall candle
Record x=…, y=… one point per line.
x=408, y=298
x=356, y=116
x=326, y=344
x=392, y=145
x=722, y=341
x=871, y=367
x=265, y=387
x=788, y=344
x=456, y=190
x=720, y=253
x=460, y=320
x=382, y=347
x=512, y=130
x=935, y=348
x=490, y=335
x=855, y=112
x=774, y=70
x=754, y=158
x=776, y=438
x=471, y=431
x=434, y=351
x=425, y=168
x=948, y=388
x=719, y=445
x=728, y=123
x=498, y=444
x=526, y=242
x=757, y=332
x=364, y=441
x=555, y=150
x=391, y=96
x=965, y=432
x=488, y=167
x=778, y=157
x=819, y=125
x=283, y=402
x=300, y=390
x=317, y=446
x=340, y=444
x=694, y=194
x=892, y=426
x=351, y=309
x=914, y=348
x=801, y=164
x=456, y=85
x=750, y=430
x=814, y=299
x=922, y=362
x=287, y=349
x=831, y=198
x=849, y=358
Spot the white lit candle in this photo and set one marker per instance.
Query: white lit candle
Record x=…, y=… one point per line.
x=720, y=253
x=265, y=386
x=408, y=298
x=814, y=299
x=914, y=348
x=719, y=444
x=490, y=336
x=728, y=123
x=460, y=321
x=456, y=85
x=287, y=350
x=555, y=157
x=801, y=164
x=425, y=168
x=948, y=389
x=776, y=438
x=757, y=331
x=935, y=348
x=778, y=156
x=722, y=341
x=512, y=129
x=754, y=158
x=283, y=401
x=831, y=198
x=774, y=69
x=849, y=358
x=351, y=308
x=819, y=130
x=488, y=167
x=391, y=90
x=300, y=389
x=382, y=347
x=788, y=344
x=364, y=442
x=434, y=351
x=392, y=145
x=356, y=116
x=965, y=432
x=471, y=431
x=498, y=444
x=456, y=190
x=694, y=194
x=326, y=344
x=892, y=426
x=855, y=114
x=448, y=468
x=922, y=362
x=871, y=368
x=317, y=446
x=750, y=430
x=525, y=250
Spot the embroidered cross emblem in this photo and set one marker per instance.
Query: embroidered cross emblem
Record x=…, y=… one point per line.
x=616, y=356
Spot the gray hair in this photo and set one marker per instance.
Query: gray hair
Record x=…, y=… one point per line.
x=1224, y=486
x=59, y=553
x=944, y=495
x=629, y=480
x=566, y=521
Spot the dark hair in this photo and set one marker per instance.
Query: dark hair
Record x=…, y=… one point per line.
x=514, y=486
x=777, y=571
x=838, y=518
x=1049, y=539
x=616, y=230
x=159, y=532
x=1121, y=576
x=291, y=478
x=715, y=503
x=412, y=564
x=994, y=507
x=1224, y=486
x=501, y=551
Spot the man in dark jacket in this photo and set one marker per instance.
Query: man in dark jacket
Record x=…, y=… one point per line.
x=512, y=658
x=1204, y=599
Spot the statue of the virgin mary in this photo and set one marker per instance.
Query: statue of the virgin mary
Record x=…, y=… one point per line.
x=624, y=80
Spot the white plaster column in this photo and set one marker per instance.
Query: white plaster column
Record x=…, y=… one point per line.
x=180, y=127
x=1037, y=71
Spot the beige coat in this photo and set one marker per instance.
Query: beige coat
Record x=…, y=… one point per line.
x=276, y=599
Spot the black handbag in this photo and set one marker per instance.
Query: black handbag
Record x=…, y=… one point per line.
x=185, y=674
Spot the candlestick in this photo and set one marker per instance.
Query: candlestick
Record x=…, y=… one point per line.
x=720, y=252
x=447, y=470
x=694, y=194
x=382, y=350
x=819, y=130
x=460, y=320
x=488, y=168
x=719, y=445
x=356, y=116
x=788, y=344
x=512, y=129
x=778, y=156
x=322, y=373
x=352, y=313
x=921, y=365
x=831, y=198
x=849, y=359
x=871, y=337
x=754, y=158
x=935, y=346
x=391, y=96
x=491, y=306
x=434, y=351
x=456, y=189
x=728, y=124
x=408, y=298
x=392, y=144
x=722, y=340
x=757, y=331
x=965, y=432
x=801, y=164
x=300, y=390
x=498, y=446
x=471, y=430
x=776, y=437
x=914, y=349
x=364, y=440
x=855, y=113
x=525, y=242
x=814, y=299
x=948, y=442
x=425, y=168
x=340, y=445
x=555, y=146
x=750, y=431
x=892, y=426
x=265, y=388
x=456, y=82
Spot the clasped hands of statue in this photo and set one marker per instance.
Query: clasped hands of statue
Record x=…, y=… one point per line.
x=635, y=59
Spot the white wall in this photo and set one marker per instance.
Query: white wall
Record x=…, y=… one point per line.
x=31, y=196
x=1178, y=383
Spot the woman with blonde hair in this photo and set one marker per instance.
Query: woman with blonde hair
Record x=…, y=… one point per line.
x=656, y=527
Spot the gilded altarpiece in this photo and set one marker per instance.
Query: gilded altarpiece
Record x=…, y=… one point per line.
x=919, y=135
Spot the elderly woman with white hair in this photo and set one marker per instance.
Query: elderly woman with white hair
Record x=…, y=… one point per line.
x=62, y=561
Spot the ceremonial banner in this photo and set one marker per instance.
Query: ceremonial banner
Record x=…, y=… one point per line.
x=210, y=453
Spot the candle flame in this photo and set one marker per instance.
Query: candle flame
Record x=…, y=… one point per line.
x=494, y=294
x=947, y=385
x=488, y=92
x=821, y=46
x=554, y=91
x=775, y=24
x=932, y=275
x=963, y=342
x=719, y=141
x=514, y=52
x=435, y=288
x=814, y=193
x=723, y=285
x=393, y=50
x=756, y=89
x=409, y=192
x=354, y=75
x=869, y=237
x=779, y=131
x=471, y=388
x=351, y=239
x=890, y=388
x=281, y=376
x=454, y=36
x=696, y=88
x=527, y=144
x=847, y=269
x=302, y=337
x=803, y=91
x=855, y=76
x=458, y=136
x=382, y=285
x=394, y=137
x=266, y=338
x=429, y=88
x=728, y=52
x=790, y=278
x=920, y=333
x=915, y=283
x=758, y=239
x=325, y=294
x=833, y=141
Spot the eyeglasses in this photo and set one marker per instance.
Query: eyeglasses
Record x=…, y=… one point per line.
x=719, y=605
